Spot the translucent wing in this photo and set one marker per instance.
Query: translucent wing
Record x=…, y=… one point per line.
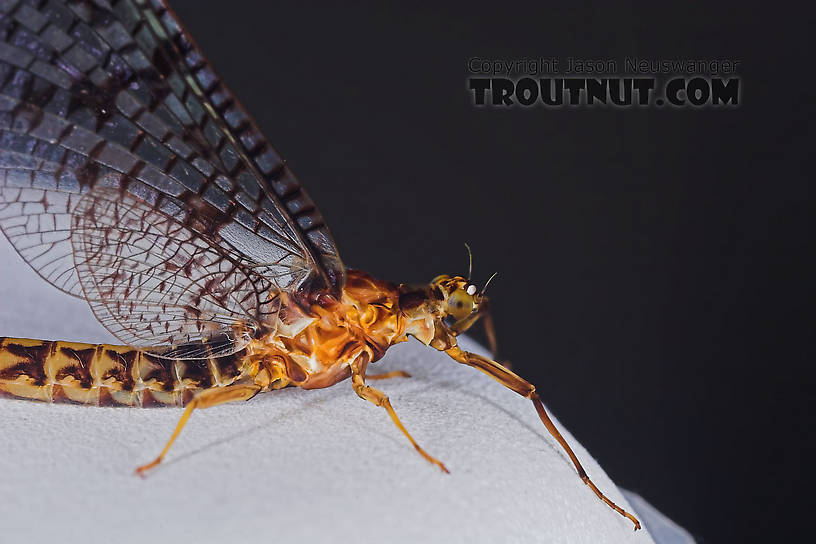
x=130, y=176
x=157, y=282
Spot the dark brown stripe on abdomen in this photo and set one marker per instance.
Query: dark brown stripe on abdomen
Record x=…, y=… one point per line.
x=21, y=368
x=103, y=374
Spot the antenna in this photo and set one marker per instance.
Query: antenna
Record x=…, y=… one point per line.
x=488, y=283
x=470, y=261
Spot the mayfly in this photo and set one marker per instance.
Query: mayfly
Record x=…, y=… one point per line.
x=131, y=177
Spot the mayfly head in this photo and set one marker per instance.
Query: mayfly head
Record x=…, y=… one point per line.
x=461, y=302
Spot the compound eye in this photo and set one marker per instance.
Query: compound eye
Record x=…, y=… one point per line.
x=460, y=304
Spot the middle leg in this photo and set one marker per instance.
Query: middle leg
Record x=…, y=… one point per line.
x=388, y=375
x=378, y=398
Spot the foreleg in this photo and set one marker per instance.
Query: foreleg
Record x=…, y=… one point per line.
x=528, y=390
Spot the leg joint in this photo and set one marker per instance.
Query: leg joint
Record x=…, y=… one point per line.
x=532, y=393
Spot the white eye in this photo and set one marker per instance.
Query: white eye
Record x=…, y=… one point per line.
x=471, y=290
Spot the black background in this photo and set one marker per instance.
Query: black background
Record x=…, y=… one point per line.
x=650, y=259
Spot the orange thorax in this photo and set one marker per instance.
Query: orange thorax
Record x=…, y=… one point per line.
x=314, y=347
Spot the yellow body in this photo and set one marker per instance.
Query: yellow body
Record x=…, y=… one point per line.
x=312, y=343
x=310, y=347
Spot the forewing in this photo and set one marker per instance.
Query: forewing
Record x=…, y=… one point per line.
x=151, y=281
x=36, y=207
x=113, y=105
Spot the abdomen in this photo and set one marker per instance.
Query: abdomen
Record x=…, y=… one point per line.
x=104, y=374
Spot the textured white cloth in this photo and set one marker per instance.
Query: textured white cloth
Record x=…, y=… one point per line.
x=292, y=465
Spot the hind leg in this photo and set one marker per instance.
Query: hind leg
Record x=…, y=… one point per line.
x=204, y=399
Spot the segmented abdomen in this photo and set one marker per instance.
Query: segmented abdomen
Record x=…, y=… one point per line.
x=103, y=374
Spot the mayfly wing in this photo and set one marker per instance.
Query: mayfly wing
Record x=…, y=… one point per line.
x=158, y=283
x=131, y=176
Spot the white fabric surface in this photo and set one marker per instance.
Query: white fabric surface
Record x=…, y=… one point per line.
x=662, y=529
x=289, y=466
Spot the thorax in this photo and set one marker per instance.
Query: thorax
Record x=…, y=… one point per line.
x=314, y=346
